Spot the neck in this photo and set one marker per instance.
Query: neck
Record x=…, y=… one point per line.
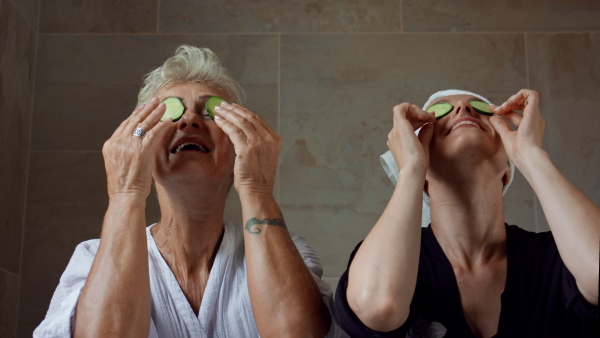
x=191, y=227
x=467, y=218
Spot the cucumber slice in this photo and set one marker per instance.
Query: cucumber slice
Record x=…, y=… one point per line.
x=440, y=109
x=481, y=107
x=174, y=110
x=211, y=103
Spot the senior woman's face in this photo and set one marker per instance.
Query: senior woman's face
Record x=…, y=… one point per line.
x=194, y=147
x=465, y=132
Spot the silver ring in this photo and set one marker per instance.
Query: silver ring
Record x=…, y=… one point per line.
x=139, y=132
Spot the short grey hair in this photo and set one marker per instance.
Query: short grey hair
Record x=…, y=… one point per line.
x=192, y=64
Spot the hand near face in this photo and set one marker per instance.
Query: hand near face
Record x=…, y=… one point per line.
x=256, y=145
x=408, y=149
x=129, y=159
x=530, y=125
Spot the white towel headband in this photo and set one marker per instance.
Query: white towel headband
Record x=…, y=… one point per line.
x=391, y=169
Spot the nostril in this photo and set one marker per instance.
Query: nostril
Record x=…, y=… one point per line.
x=195, y=125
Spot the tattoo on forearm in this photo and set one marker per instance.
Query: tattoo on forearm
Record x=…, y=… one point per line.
x=280, y=222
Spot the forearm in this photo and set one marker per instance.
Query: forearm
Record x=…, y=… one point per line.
x=573, y=219
x=116, y=297
x=285, y=299
x=391, y=254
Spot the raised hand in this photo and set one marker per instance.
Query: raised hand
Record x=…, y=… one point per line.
x=407, y=148
x=257, y=148
x=129, y=159
x=530, y=125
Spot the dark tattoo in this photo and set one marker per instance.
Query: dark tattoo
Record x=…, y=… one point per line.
x=280, y=222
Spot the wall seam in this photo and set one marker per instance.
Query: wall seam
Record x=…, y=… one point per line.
x=28, y=165
x=401, y=17
x=320, y=33
x=279, y=111
x=157, y=16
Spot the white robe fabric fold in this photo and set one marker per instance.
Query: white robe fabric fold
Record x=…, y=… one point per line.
x=225, y=310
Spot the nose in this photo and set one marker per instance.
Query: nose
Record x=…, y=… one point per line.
x=464, y=107
x=190, y=119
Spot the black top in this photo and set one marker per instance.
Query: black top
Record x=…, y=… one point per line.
x=540, y=298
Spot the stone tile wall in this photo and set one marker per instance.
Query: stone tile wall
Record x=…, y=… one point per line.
x=325, y=74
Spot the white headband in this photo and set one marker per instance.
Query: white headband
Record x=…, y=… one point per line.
x=391, y=169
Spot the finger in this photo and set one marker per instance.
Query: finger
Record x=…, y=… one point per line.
x=236, y=135
x=259, y=124
x=156, y=134
x=135, y=119
x=425, y=136
x=501, y=127
x=125, y=122
x=240, y=121
x=524, y=98
x=513, y=117
x=153, y=118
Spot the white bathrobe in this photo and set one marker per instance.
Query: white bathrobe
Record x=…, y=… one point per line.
x=225, y=310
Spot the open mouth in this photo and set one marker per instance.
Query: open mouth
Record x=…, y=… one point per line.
x=464, y=123
x=189, y=146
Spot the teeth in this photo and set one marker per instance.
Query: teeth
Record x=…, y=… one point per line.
x=463, y=123
x=201, y=147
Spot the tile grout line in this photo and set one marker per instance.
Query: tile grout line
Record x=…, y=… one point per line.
x=28, y=165
x=18, y=10
x=157, y=15
x=402, y=32
x=527, y=71
x=12, y=274
x=401, y=17
x=279, y=110
x=526, y=58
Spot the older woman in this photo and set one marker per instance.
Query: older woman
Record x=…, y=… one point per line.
x=192, y=274
x=468, y=274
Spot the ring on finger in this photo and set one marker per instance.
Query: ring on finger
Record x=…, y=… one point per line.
x=139, y=132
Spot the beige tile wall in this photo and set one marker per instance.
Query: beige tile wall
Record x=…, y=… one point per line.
x=324, y=73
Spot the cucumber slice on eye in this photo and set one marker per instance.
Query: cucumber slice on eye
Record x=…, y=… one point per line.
x=211, y=103
x=481, y=107
x=174, y=110
x=440, y=109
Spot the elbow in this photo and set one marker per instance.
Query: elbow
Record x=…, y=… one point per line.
x=379, y=313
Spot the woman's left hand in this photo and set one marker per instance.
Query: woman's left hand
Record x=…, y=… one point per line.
x=530, y=125
x=257, y=148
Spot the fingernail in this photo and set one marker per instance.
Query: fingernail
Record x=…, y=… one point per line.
x=153, y=99
x=218, y=108
x=217, y=117
x=225, y=104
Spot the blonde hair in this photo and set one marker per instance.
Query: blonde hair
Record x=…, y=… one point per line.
x=192, y=64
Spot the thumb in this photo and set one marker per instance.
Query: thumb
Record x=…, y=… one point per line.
x=501, y=127
x=425, y=136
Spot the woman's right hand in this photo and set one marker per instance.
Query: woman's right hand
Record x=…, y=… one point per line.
x=129, y=159
x=408, y=149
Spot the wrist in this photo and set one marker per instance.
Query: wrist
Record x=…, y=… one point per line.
x=530, y=161
x=127, y=198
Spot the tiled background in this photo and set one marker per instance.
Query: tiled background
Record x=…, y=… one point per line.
x=324, y=73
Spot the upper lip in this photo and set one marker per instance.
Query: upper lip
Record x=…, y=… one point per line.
x=469, y=119
x=190, y=140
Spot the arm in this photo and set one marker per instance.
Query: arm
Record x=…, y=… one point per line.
x=116, y=297
x=572, y=217
x=284, y=295
x=391, y=250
